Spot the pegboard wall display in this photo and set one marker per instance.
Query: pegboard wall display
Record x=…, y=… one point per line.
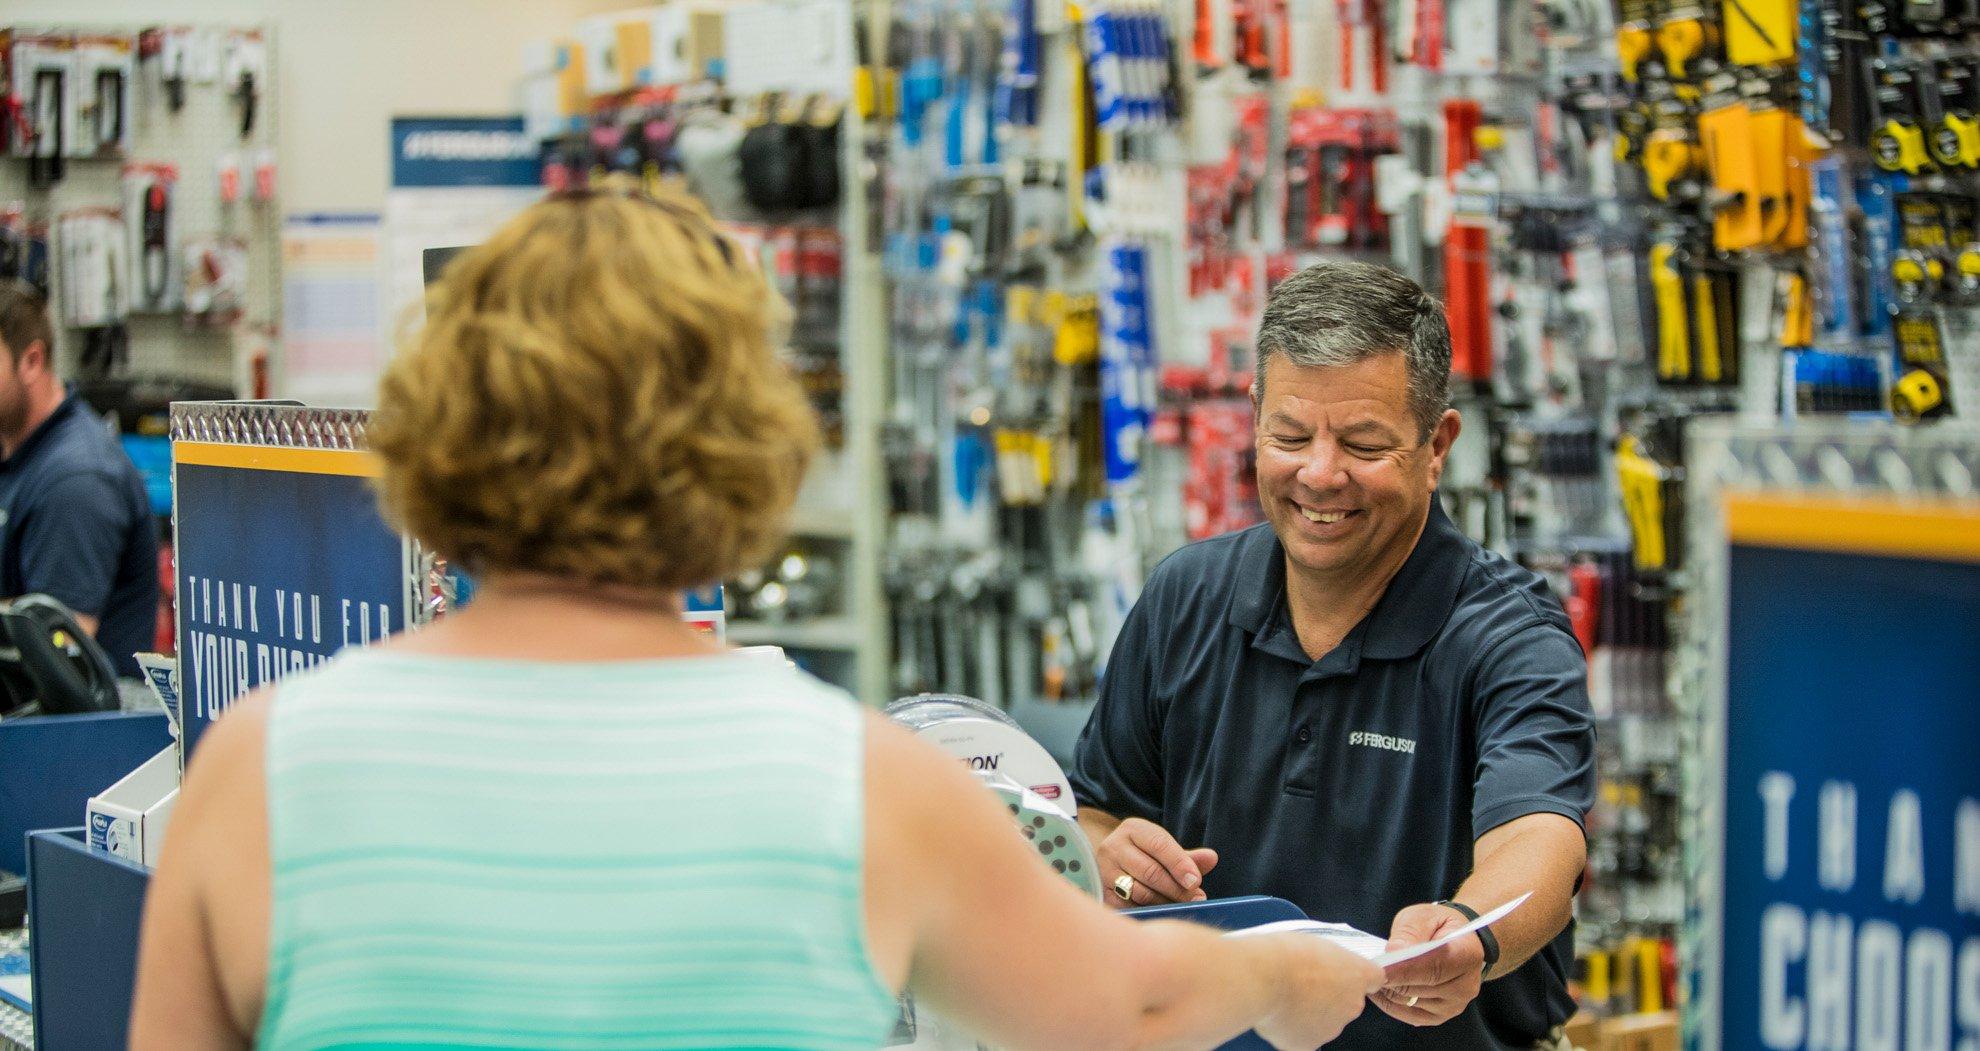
x=138, y=188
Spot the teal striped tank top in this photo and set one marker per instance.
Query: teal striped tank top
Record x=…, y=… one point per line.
x=647, y=854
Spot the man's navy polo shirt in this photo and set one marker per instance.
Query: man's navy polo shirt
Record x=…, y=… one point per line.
x=1355, y=785
x=75, y=524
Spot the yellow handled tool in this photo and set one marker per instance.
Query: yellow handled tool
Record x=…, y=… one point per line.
x=1633, y=44
x=1673, y=330
x=1642, y=482
x=1705, y=313
x=1650, y=975
x=1771, y=153
x=1681, y=40
x=1668, y=156
x=1727, y=134
x=1799, y=188
x=1797, y=311
x=1598, y=977
x=1077, y=338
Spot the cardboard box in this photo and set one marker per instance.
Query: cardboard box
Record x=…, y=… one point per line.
x=1644, y=1032
x=1584, y=1031
x=673, y=43
x=128, y=819
x=572, y=99
x=704, y=44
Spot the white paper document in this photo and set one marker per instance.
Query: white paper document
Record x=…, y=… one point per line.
x=1368, y=946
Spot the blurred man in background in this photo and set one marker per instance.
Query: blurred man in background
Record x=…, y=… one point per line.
x=75, y=523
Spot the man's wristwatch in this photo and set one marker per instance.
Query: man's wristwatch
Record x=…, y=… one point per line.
x=1485, y=936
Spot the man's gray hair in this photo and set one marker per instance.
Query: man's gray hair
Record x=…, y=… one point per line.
x=1338, y=313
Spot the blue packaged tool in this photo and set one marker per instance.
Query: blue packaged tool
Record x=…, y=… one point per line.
x=1030, y=62
x=1155, y=59
x=1829, y=383
x=1142, y=338
x=1876, y=195
x=990, y=312
x=985, y=120
x=1127, y=360
x=1017, y=82
x=1147, y=64
x=1104, y=66
x=1134, y=86
x=1835, y=284
x=955, y=120
x=1119, y=422
x=920, y=87
x=1168, y=57
x=972, y=456
x=921, y=81
x=1812, y=70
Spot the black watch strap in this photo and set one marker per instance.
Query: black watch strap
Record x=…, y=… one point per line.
x=1485, y=936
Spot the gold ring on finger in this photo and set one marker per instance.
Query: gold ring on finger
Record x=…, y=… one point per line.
x=1124, y=886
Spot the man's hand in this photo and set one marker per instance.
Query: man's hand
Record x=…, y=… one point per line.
x=1441, y=984
x=1163, y=871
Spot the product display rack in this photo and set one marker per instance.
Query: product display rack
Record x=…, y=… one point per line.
x=592, y=117
x=864, y=358
x=162, y=345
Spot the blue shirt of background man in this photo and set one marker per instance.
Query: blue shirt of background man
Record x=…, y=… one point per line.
x=76, y=525
x=1354, y=785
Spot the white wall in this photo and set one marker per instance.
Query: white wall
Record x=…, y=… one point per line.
x=346, y=67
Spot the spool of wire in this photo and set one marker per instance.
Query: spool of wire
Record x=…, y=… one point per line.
x=1051, y=831
x=1021, y=773
x=986, y=739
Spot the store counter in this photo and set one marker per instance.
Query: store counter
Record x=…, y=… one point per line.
x=84, y=908
x=51, y=764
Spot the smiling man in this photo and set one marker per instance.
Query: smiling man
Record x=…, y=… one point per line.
x=1354, y=706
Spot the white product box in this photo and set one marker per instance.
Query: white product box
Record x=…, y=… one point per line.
x=128, y=818
x=769, y=655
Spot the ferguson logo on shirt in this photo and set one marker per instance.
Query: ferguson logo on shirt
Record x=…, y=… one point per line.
x=1383, y=741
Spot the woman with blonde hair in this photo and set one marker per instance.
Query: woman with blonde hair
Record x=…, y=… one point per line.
x=559, y=818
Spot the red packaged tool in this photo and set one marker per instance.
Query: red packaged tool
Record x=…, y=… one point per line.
x=1467, y=277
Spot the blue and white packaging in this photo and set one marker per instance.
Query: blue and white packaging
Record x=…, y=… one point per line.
x=704, y=610
x=1127, y=361
x=161, y=673
x=128, y=819
x=1108, y=69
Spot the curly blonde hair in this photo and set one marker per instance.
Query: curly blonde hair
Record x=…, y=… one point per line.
x=596, y=395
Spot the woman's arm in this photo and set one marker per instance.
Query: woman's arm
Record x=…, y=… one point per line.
x=201, y=961
x=963, y=911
